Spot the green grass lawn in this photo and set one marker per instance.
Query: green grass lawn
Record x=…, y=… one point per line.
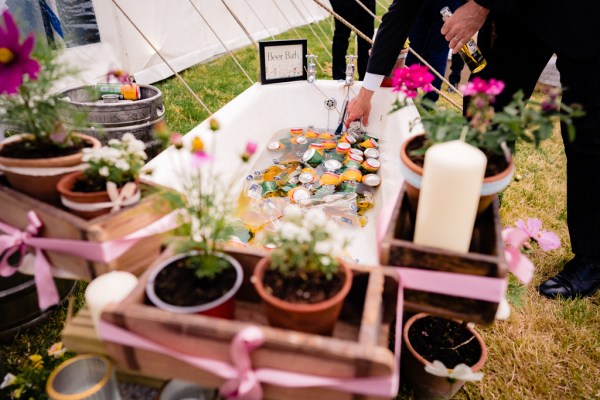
x=546, y=350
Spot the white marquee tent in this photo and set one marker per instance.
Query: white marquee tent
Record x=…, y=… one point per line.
x=98, y=36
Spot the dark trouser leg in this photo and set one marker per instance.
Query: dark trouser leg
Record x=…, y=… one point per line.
x=341, y=34
x=365, y=23
x=456, y=69
x=581, y=275
x=581, y=83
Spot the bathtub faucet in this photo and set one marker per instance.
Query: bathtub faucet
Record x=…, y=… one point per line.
x=311, y=69
x=350, y=68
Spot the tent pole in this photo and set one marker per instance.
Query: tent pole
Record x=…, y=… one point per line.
x=233, y=14
x=313, y=31
x=318, y=25
x=220, y=41
x=163, y=58
x=369, y=40
x=296, y=32
x=259, y=19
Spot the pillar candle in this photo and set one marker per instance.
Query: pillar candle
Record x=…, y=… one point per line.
x=108, y=288
x=452, y=177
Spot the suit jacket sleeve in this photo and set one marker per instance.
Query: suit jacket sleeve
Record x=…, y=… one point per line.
x=391, y=35
x=501, y=6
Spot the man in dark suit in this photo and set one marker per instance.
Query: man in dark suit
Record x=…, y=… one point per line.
x=526, y=33
x=352, y=12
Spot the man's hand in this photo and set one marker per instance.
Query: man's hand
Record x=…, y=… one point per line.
x=463, y=24
x=360, y=106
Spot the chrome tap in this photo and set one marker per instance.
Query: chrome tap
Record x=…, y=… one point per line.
x=350, y=68
x=311, y=69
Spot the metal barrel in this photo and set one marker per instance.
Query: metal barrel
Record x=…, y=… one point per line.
x=111, y=120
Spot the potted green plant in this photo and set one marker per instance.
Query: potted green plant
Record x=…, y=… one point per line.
x=303, y=281
x=495, y=133
x=109, y=181
x=440, y=356
x=201, y=278
x=39, y=150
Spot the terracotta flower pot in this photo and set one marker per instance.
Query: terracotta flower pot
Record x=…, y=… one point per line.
x=65, y=188
x=223, y=307
x=41, y=186
x=316, y=318
x=424, y=384
x=413, y=175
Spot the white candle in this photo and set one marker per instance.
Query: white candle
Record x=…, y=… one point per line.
x=452, y=177
x=108, y=288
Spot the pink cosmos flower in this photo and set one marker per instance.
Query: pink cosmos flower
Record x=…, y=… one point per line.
x=176, y=139
x=15, y=57
x=250, y=149
x=199, y=158
x=546, y=240
x=409, y=80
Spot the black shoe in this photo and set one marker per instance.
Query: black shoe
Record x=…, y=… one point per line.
x=578, y=278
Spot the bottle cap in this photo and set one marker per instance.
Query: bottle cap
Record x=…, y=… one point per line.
x=372, y=153
x=332, y=165
x=371, y=180
x=274, y=146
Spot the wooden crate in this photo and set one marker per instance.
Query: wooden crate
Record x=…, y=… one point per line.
x=358, y=347
x=60, y=224
x=485, y=258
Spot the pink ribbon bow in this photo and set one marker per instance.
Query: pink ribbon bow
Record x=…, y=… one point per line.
x=16, y=241
x=246, y=385
x=518, y=264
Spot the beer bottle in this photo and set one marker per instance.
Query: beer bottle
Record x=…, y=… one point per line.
x=470, y=53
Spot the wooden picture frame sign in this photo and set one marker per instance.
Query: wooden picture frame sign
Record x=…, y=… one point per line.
x=282, y=61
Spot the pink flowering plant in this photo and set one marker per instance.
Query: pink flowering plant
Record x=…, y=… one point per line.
x=492, y=132
x=205, y=203
x=519, y=240
x=27, y=75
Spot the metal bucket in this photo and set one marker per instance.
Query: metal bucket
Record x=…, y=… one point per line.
x=111, y=119
x=19, y=302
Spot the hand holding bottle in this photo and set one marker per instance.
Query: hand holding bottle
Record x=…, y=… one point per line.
x=463, y=24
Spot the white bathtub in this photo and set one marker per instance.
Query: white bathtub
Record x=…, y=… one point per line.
x=262, y=110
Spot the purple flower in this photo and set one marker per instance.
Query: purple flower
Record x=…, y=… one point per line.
x=15, y=57
x=546, y=240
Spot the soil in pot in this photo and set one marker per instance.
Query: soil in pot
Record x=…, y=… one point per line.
x=306, y=287
x=496, y=162
x=178, y=285
x=29, y=149
x=444, y=340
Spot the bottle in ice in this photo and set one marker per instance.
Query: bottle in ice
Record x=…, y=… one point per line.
x=470, y=52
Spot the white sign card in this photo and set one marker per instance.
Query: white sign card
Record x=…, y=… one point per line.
x=282, y=61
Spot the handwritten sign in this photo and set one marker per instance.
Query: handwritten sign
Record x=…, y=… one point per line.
x=282, y=61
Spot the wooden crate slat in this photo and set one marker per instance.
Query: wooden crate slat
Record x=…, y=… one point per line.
x=60, y=224
x=485, y=258
x=356, y=348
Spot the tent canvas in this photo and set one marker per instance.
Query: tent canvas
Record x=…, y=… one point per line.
x=97, y=36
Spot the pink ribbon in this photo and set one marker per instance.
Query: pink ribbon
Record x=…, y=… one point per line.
x=17, y=241
x=245, y=386
x=518, y=264
x=243, y=382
